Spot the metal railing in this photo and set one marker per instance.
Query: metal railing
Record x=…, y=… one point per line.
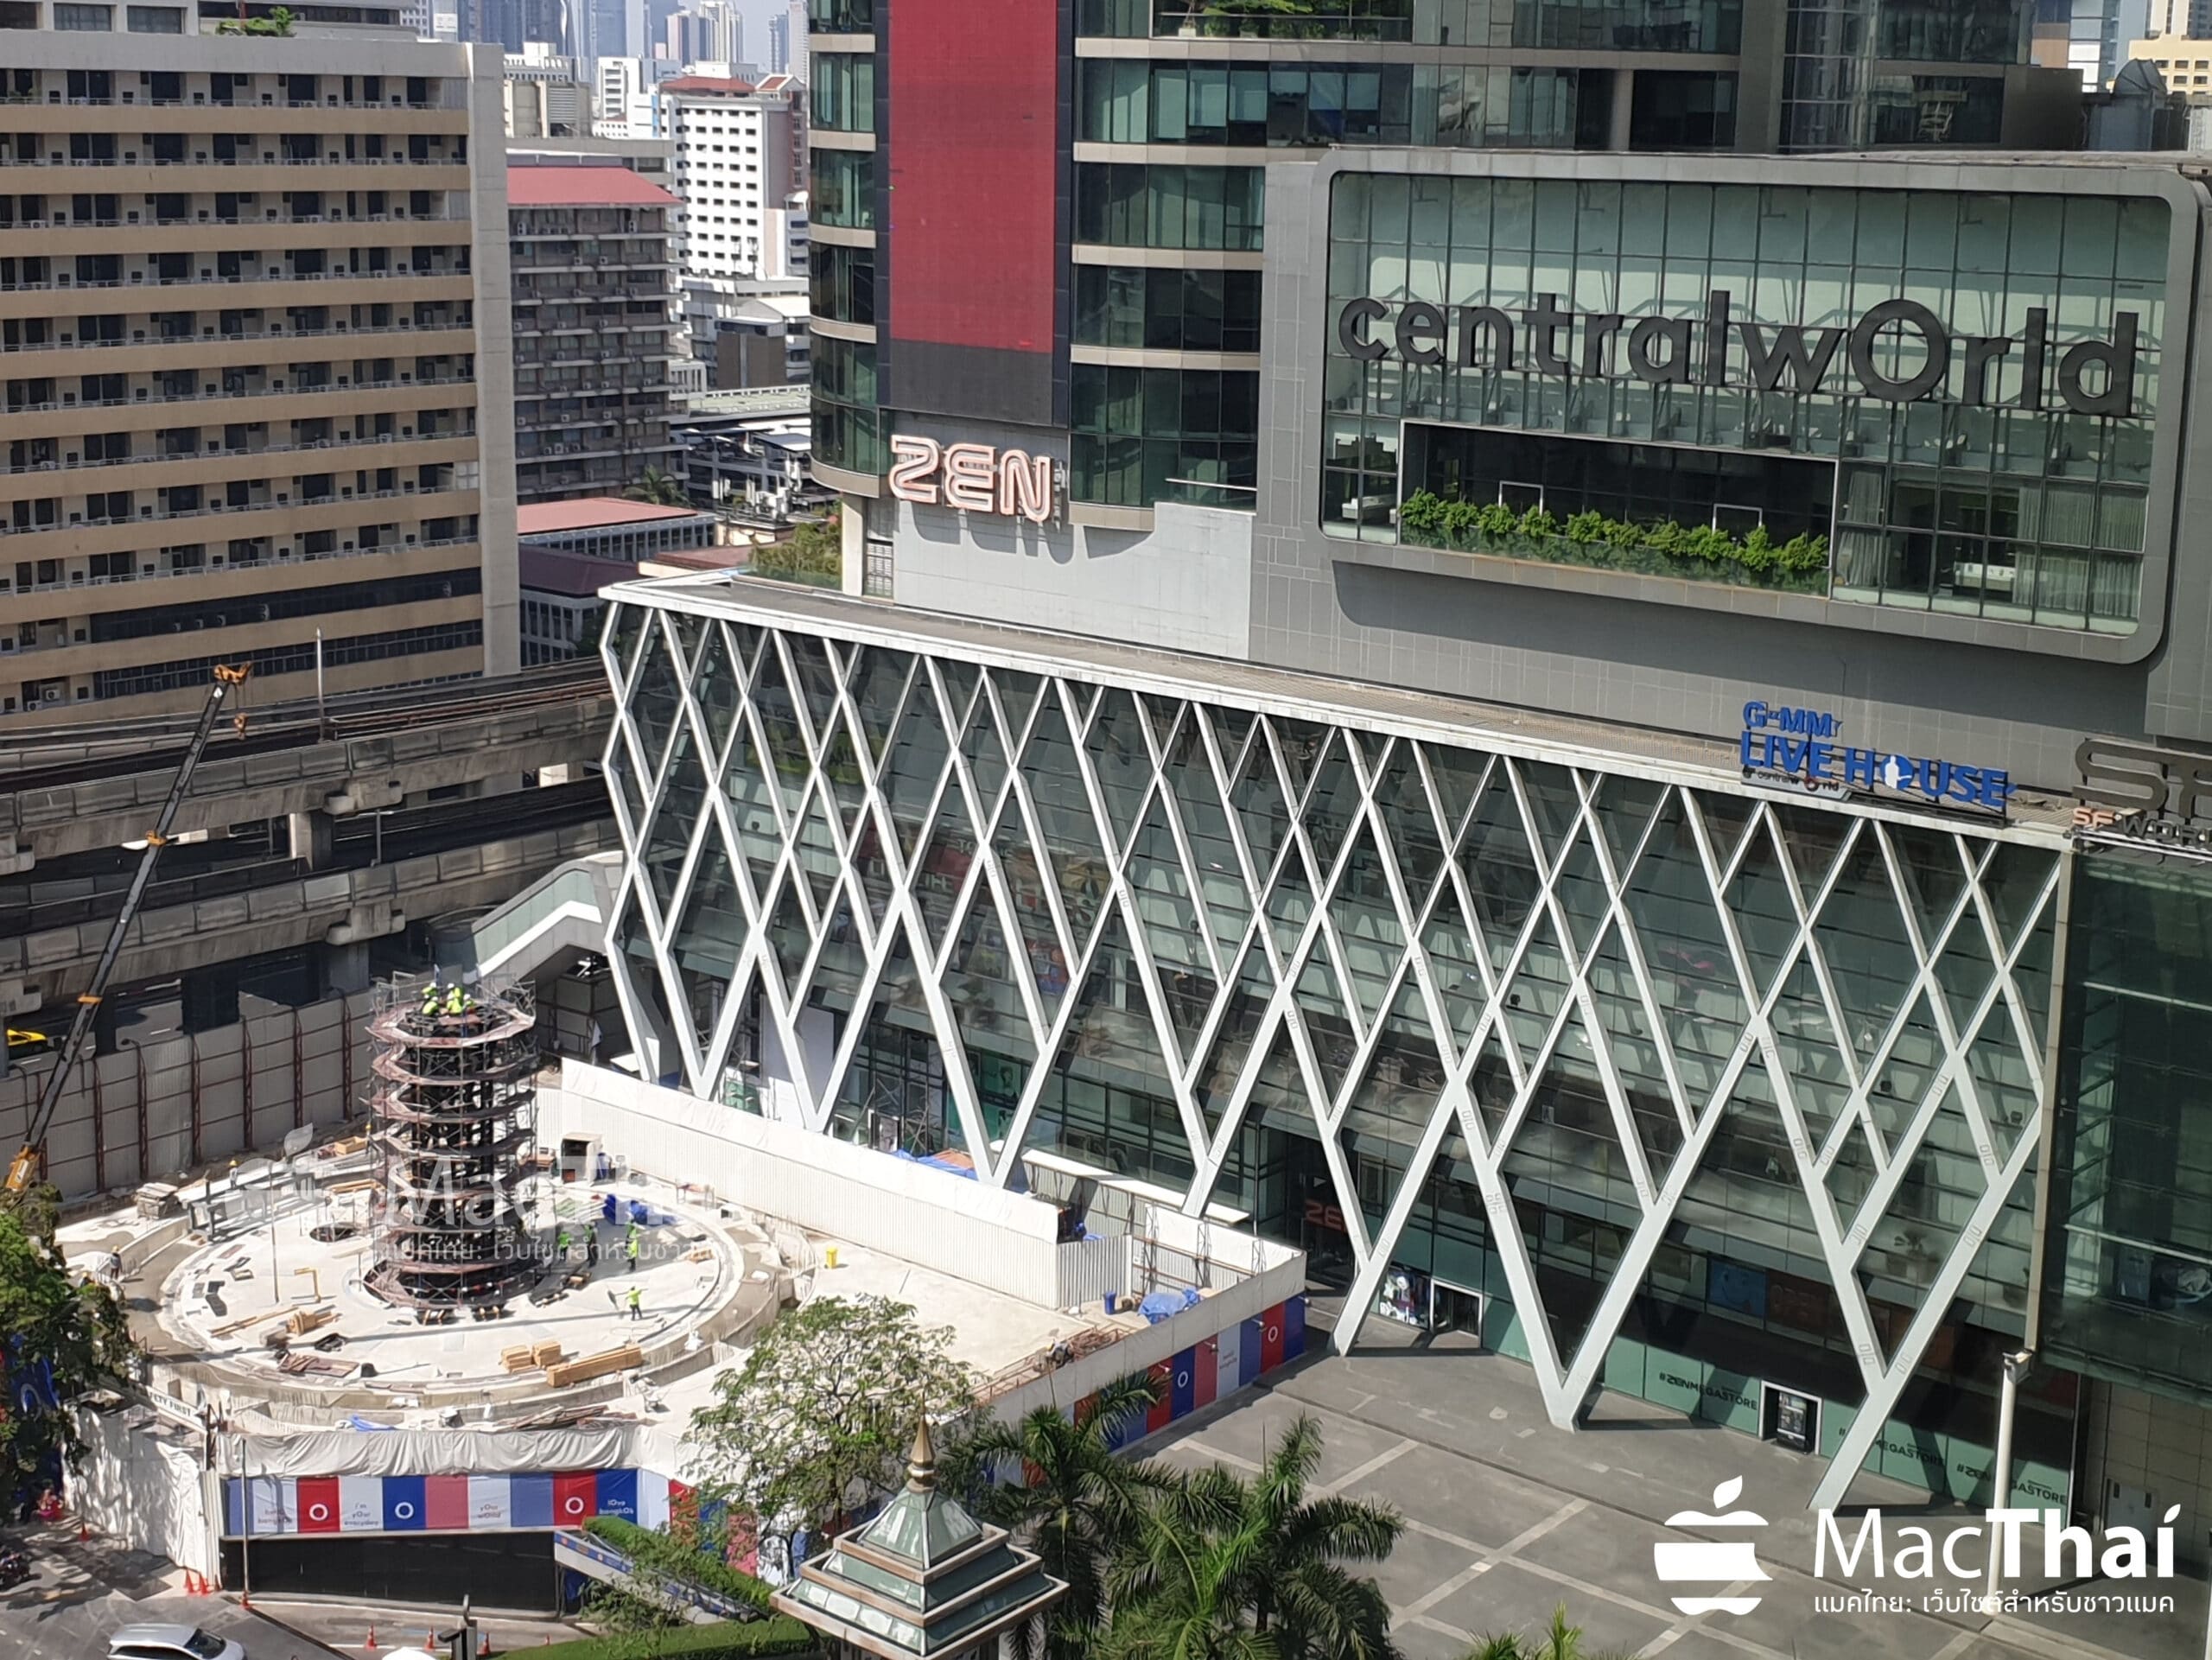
x=274, y=559
x=165, y=400
x=367, y=440
x=279, y=334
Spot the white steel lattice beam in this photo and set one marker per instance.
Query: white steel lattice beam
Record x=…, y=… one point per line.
x=1181, y=761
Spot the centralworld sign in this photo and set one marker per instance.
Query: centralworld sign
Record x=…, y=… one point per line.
x=2094, y=377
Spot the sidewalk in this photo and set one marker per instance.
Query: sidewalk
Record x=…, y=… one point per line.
x=1508, y=1516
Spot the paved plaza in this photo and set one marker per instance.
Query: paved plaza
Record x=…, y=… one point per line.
x=1507, y=1517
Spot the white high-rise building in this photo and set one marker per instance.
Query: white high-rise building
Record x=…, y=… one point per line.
x=787, y=40
x=733, y=168
x=708, y=31
x=622, y=81
x=2191, y=18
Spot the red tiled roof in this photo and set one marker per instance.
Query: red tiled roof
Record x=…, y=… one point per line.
x=582, y=187
x=706, y=84
x=592, y=512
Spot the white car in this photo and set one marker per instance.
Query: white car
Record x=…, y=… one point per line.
x=152, y=1642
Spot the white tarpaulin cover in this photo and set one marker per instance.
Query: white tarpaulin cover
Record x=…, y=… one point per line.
x=437, y=1452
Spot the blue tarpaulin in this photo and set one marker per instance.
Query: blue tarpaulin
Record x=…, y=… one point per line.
x=1163, y=1305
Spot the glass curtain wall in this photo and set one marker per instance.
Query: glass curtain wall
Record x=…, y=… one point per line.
x=1948, y=502
x=2128, y=1292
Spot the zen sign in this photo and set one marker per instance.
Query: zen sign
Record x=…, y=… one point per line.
x=974, y=477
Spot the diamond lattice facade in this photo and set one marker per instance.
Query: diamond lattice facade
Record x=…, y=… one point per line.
x=1625, y=1062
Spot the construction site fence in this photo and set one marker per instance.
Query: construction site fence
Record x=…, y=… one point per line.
x=154, y=1111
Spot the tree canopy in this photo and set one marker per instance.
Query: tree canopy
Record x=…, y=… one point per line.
x=823, y=1411
x=58, y=1339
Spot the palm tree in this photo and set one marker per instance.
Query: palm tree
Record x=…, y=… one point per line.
x=661, y=489
x=1562, y=1642
x=1228, y=1568
x=1079, y=1506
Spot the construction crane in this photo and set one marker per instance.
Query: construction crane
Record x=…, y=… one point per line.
x=24, y=1170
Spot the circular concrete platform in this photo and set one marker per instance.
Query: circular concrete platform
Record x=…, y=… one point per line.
x=700, y=1279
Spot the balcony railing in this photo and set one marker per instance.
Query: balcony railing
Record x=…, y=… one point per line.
x=369, y=440
x=80, y=579
x=75, y=402
x=244, y=161
x=163, y=516
x=140, y=279
x=245, y=334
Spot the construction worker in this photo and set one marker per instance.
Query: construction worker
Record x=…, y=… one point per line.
x=457, y=999
x=630, y=1250
x=430, y=996
x=637, y=1310
x=591, y=1249
x=561, y=1247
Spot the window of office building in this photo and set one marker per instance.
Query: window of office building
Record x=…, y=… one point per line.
x=1953, y=31
x=1129, y=101
x=1163, y=205
x=842, y=95
x=1713, y=26
x=84, y=19
x=1145, y=435
x=2128, y=1291
x=1955, y=461
x=1682, y=108
x=1937, y=110
x=843, y=282
x=1150, y=309
x=847, y=425
x=842, y=183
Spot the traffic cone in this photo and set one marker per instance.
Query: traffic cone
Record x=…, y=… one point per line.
x=369, y=1646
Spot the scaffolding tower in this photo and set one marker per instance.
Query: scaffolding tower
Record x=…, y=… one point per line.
x=452, y=1112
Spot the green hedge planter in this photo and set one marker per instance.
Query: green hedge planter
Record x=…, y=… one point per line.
x=777, y=1636
x=699, y=1567
x=1692, y=553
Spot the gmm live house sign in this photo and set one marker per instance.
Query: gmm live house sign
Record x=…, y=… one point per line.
x=2094, y=377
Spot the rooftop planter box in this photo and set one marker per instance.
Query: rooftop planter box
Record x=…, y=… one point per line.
x=1692, y=553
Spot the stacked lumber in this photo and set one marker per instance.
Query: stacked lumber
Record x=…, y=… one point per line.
x=598, y=1365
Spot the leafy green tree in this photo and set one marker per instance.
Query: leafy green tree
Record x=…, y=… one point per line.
x=1232, y=1569
x=823, y=1411
x=660, y=489
x=1077, y=1504
x=49, y=1319
x=812, y=552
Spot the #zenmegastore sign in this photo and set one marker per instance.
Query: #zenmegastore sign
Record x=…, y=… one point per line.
x=974, y=477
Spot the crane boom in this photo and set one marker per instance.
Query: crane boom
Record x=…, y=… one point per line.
x=25, y=1167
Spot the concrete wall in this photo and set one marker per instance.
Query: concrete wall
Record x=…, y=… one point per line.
x=495, y=359
x=1209, y=1317
x=1184, y=585
x=1005, y=1241
x=2134, y=1444
x=152, y=1112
